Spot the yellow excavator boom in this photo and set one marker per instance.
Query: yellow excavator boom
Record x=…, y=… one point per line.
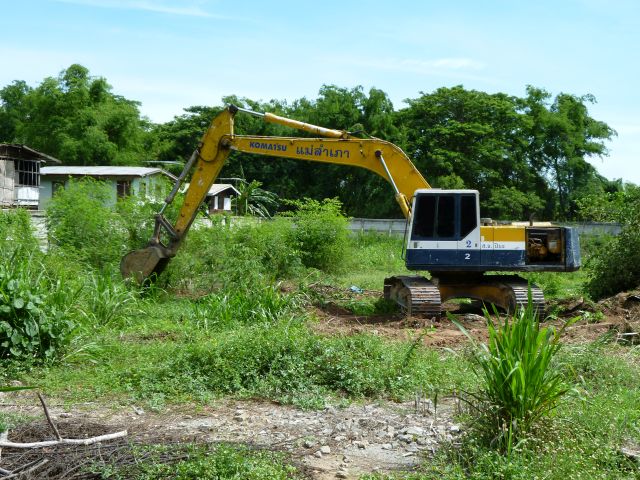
x=335, y=146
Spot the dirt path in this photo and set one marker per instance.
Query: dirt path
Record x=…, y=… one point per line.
x=326, y=444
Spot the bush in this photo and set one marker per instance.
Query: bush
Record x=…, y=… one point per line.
x=615, y=266
x=82, y=221
x=321, y=233
x=36, y=309
x=519, y=382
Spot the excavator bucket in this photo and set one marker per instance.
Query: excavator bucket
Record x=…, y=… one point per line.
x=141, y=265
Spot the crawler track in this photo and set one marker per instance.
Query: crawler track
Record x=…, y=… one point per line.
x=415, y=294
x=419, y=296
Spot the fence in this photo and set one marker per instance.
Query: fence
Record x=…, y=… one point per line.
x=396, y=226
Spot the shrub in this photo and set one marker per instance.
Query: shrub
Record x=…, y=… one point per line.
x=519, y=382
x=615, y=266
x=16, y=232
x=36, y=319
x=321, y=233
x=81, y=220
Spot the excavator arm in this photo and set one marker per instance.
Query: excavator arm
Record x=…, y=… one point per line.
x=334, y=146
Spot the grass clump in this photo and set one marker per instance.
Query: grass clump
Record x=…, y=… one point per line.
x=199, y=462
x=519, y=381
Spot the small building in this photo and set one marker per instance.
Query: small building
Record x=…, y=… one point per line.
x=142, y=181
x=20, y=168
x=218, y=199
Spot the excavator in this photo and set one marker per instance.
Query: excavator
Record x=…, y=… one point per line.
x=445, y=235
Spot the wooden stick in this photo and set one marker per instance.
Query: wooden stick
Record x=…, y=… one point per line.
x=65, y=441
x=46, y=414
x=21, y=473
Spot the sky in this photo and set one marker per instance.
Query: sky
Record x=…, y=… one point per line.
x=172, y=54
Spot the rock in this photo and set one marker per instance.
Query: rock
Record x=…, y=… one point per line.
x=318, y=454
x=325, y=449
x=342, y=474
x=387, y=446
x=340, y=438
x=361, y=444
x=240, y=416
x=454, y=429
x=405, y=438
x=309, y=444
x=65, y=415
x=417, y=431
x=138, y=411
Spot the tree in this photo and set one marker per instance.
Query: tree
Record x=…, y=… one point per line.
x=562, y=136
x=74, y=117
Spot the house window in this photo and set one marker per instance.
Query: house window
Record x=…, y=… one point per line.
x=27, y=173
x=123, y=188
x=221, y=202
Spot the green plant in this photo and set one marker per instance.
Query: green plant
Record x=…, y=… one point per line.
x=107, y=300
x=36, y=309
x=520, y=384
x=81, y=219
x=320, y=233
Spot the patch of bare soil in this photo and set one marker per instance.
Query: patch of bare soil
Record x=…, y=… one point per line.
x=325, y=444
x=618, y=315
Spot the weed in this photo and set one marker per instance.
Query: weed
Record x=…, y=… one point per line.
x=519, y=382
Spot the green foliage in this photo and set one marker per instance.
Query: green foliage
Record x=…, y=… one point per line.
x=36, y=309
x=201, y=462
x=320, y=233
x=620, y=205
x=254, y=200
x=16, y=232
x=81, y=220
x=508, y=203
x=519, y=382
x=615, y=267
x=75, y=118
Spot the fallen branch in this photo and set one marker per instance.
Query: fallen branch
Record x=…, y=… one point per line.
x=65, y=441
x=26, y=469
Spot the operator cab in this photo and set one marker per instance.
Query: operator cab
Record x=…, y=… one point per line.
x=444, y=230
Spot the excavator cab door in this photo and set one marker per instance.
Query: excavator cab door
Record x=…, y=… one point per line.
x=444, y=231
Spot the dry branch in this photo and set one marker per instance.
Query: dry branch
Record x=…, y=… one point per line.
x=65, y=441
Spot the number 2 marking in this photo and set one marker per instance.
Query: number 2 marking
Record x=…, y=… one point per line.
x=468, y=243
x=467, y=256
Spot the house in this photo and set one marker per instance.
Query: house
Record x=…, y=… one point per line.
x=218, y=197
x=20, y=168
x=141, y=181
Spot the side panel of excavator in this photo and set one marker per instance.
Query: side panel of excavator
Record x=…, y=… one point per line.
x=445, y=235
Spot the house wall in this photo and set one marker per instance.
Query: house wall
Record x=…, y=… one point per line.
x=154, y=187
x=7, y=175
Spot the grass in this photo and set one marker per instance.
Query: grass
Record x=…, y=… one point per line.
x=226, y=328
x=202, y=462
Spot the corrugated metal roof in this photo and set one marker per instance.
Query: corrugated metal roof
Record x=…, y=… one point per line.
x=19, y=151
x=103, y=171
x=215, y=189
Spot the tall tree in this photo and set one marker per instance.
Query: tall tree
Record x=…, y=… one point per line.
x=74, y=117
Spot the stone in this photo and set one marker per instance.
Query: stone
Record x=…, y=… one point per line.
x=318, y=454
x=325, y=449
x=342, y=474
x=417, y=431
x=309, y=443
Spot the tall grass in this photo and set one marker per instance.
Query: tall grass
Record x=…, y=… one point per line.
x=520, y=383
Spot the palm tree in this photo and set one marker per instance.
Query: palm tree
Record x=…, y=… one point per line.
x=255, y=201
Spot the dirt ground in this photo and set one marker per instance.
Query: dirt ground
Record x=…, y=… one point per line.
x=325, y=444
x=618, y=316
